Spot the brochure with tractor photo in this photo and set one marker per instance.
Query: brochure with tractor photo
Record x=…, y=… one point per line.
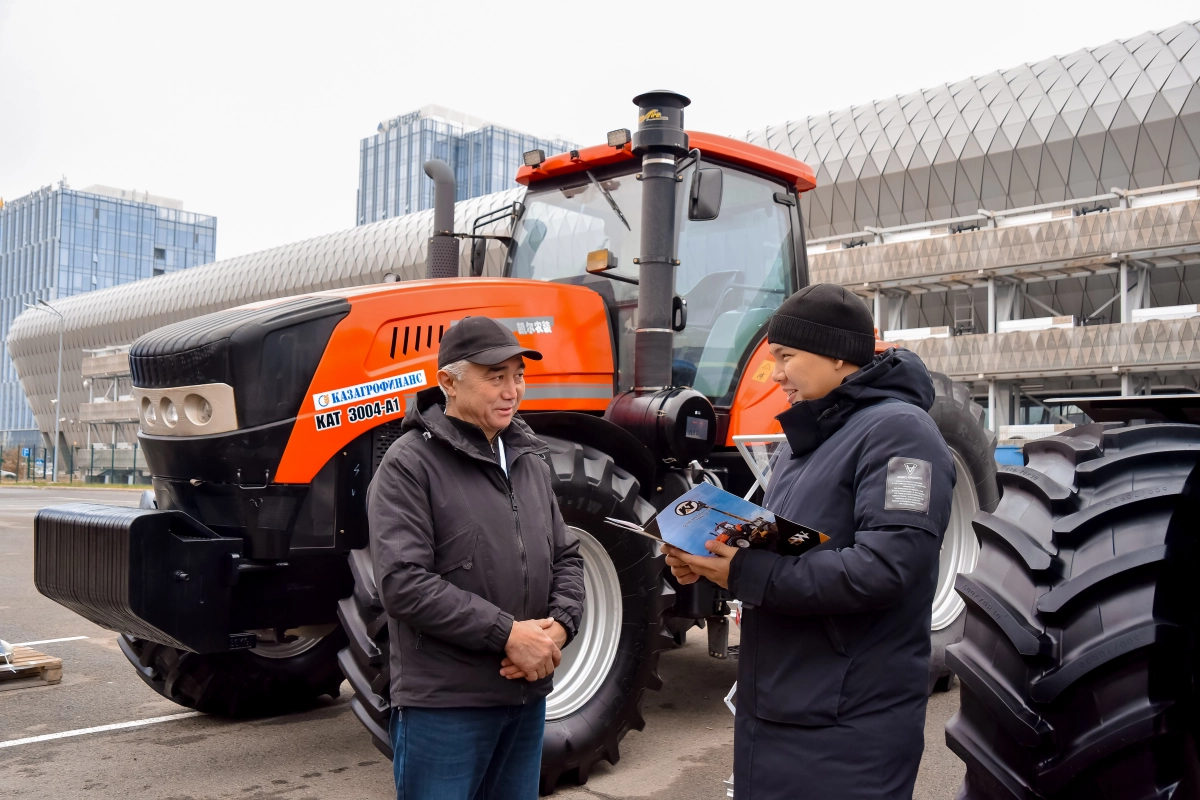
x=707, y=512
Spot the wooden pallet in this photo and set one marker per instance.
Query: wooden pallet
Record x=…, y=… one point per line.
x=27, y=667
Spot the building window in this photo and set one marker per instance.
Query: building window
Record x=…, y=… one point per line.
x=160, y=254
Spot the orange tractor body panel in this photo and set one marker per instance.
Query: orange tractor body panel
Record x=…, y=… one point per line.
x=742, y=154
x=392, y=333
x=758, y=399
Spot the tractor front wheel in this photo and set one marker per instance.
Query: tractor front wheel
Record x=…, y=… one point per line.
x=272, y=678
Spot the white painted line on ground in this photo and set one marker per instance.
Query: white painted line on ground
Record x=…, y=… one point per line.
x=137, y=723
x=49, y=641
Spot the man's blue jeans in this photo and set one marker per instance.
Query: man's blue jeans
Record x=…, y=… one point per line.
x=468, y=753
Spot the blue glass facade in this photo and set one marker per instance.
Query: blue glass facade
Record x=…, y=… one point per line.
x=60, y=242
x=485, y=159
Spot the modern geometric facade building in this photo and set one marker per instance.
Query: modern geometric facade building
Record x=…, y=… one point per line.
x=60, y=242
x=1125, y=115
x=116, y=317
x=485, y=159
x=917, y=159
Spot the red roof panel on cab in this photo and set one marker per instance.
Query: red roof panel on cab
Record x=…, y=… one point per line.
x=795, y=172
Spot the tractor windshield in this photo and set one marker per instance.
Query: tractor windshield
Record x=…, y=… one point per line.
x=733, y=272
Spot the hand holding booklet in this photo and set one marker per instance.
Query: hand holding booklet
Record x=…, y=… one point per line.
x=707, y=512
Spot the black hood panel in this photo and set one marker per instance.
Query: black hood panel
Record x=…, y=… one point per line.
x=268, y=354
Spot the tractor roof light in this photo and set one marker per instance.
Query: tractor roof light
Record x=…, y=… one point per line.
x=534, y=158
x=619, y=138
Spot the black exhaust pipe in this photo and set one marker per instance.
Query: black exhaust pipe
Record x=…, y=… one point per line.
x=660, y=140
x=441, y=260
x=678, y=424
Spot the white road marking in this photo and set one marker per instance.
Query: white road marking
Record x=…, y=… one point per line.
x=49, y=641
x=137, y=723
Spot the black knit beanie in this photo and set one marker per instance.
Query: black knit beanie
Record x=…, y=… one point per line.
x=827, y=320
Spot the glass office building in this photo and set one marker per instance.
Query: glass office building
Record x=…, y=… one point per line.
x=58, y=242
x=485, y=159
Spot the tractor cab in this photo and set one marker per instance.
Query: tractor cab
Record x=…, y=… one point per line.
x=739, y=241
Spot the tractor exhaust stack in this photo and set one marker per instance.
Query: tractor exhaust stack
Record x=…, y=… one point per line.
x=441, y=260
x=660, y=141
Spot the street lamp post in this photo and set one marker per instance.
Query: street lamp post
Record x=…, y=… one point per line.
x=44, y=306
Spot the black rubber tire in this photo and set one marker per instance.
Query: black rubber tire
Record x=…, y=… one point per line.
x=589, y=487
x=1077, y=660
x=960, y=420
x=241, y=683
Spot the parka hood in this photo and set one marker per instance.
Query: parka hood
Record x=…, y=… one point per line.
x=894, y=374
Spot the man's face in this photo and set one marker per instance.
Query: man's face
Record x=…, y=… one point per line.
x=488, y=396
x=805, y=376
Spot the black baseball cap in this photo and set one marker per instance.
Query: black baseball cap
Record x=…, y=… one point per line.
x=481, y=340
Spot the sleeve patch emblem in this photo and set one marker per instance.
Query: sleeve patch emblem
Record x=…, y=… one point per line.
x=909, y=481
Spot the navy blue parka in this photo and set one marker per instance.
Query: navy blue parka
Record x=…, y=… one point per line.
x=834, y=665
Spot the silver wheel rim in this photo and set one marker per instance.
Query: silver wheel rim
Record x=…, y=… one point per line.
x=290, y=649
x=589, y=657
x=960, y=548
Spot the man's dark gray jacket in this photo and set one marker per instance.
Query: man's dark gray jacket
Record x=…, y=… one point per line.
x=460, y=551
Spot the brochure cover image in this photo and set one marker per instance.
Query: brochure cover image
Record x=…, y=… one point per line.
x=706, y=512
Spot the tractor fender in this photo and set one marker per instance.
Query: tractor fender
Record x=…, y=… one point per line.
x=592, y=431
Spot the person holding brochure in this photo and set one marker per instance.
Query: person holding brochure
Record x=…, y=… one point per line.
x=833, y=675
x=480, y=577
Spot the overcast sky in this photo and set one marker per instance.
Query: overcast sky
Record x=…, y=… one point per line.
x=253, y=111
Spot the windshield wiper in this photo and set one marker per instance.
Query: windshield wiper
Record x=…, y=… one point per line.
x=612, y=203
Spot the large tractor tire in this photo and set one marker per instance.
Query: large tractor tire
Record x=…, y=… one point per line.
x=598, y=687
x=1077, y=660
x=272, y=678
x=960, y=421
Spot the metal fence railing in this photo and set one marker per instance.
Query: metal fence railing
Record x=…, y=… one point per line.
x=98, y=463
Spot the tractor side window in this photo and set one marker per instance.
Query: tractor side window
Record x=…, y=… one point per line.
x=734, y=272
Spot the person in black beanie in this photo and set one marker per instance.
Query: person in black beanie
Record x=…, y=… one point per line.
x=833, y=675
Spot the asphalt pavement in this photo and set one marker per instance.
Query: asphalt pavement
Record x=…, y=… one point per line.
x=684, y=753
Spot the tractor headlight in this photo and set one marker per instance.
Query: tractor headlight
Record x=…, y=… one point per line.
x=170, y=414
x=198, y=410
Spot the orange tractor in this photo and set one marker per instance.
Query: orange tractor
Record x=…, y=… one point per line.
x=645, y=270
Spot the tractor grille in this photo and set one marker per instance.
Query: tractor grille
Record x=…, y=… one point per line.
x=415, y=338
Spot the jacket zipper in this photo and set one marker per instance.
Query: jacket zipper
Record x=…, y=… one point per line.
x=512, y=500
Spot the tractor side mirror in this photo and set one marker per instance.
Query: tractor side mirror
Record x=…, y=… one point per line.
x=705, y=200
x=478, y=257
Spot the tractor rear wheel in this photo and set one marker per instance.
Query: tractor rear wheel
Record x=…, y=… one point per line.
x=1077, y=660
x=272, y=678
x=960, y=421
x=613, y=659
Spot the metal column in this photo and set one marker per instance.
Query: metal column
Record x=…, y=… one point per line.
x=1124, y=291
x=993, y=426
x=991, y=328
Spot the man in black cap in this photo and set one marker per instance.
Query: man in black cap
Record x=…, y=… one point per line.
x=834, y=670
x=481, y=579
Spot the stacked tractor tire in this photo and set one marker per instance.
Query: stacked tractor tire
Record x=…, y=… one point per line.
x=1078, y=660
